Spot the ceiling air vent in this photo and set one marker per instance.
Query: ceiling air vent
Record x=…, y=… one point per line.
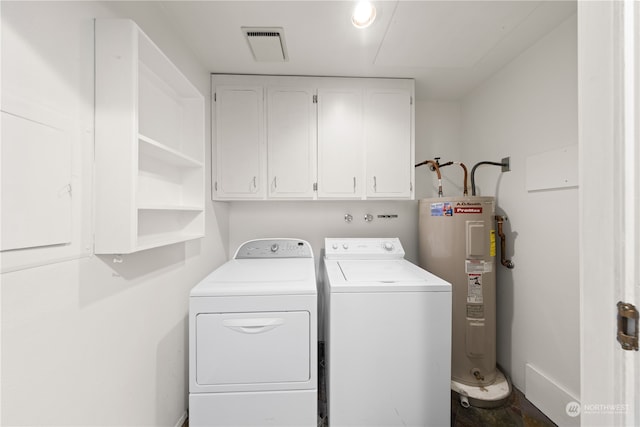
x=266, y=43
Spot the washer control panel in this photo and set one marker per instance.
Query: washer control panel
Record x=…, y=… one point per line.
x=363, y=248
x=274, y=248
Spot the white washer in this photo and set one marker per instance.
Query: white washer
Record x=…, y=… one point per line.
x=253, y=339
x=387, y=337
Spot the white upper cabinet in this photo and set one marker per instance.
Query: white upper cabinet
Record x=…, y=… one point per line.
x=388, y=136
x=355, y=141
x=340, y=143
x=240, y=142
x=291, y=142
x=149, y=147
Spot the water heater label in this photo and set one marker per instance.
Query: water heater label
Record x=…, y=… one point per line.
x=477, y=266
x=475, y=311
x=474, y=289
x=492, y=243
x=441, y=209
x=468, y=209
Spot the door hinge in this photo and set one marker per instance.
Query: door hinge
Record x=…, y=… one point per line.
x=627, y=326
x=315, y=186
x=315, y=99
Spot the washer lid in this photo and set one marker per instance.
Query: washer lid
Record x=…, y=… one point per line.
x=397, y=275
x=386, y=271
x=284, y=276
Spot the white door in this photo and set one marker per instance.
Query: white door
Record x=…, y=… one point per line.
x=609, y=223
x=340, y=143
x=387, y=133
x=239, y=142
x=291, y=142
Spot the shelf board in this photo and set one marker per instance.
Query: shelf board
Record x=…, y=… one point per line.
x=155, y=149
x=149, y=242
x=170, y=208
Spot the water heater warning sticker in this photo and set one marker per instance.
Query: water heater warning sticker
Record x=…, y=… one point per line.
x=474, y=289
x=441, y=209
x=475, y=311
x=477, y=266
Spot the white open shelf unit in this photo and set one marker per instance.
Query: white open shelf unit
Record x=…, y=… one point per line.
x=149, y=145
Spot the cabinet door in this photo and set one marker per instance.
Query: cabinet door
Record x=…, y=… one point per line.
x=340, y=143
x=291, y=142
x=388, y=131
x=239, y=136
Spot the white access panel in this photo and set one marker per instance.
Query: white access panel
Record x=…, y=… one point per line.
x=250, y=348
x=36, y=183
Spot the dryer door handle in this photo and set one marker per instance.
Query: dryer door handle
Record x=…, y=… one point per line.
x=253, y=325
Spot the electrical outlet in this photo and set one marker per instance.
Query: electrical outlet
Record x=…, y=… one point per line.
x=505, y=164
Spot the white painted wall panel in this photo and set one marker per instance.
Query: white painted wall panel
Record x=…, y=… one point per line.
x=36, y=184
x=553, y=169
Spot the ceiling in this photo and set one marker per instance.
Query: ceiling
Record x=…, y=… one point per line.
x=448, y=47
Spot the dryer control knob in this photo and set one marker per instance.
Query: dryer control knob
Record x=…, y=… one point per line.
x=274, y=247
x=334, y=246
x=345, y=245
x=388, y=246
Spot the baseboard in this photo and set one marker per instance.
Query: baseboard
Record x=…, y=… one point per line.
x=553, y=400
x=182, y=419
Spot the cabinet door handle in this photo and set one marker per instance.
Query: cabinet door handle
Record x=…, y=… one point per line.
x=254, y=183
x=375, y=184
x=274, y=183
x=354, y=184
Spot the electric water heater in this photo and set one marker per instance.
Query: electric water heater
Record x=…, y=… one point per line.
x=457, y=242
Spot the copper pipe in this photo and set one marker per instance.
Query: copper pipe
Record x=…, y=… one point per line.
x=466, y=174
x=506, y=262
x=436, y=167
x=465, y=192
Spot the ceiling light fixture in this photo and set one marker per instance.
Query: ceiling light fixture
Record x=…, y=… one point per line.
x=363, y=15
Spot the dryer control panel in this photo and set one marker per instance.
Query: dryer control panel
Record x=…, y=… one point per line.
x=363, y=248
x=274, y=248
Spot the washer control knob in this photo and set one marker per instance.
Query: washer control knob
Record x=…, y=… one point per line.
x=274, y=247
x=388, y=246
x=334, y=246
x=345, y=246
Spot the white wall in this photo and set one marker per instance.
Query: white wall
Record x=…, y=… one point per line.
x=527, y=108
x=86, y=341
x=438, y=134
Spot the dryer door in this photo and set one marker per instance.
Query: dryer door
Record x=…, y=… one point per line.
x=252, y=348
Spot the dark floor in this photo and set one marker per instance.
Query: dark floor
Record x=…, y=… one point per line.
x=517, y=411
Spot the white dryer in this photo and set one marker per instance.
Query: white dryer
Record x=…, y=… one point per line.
x=387, y=337
x=253, y=339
